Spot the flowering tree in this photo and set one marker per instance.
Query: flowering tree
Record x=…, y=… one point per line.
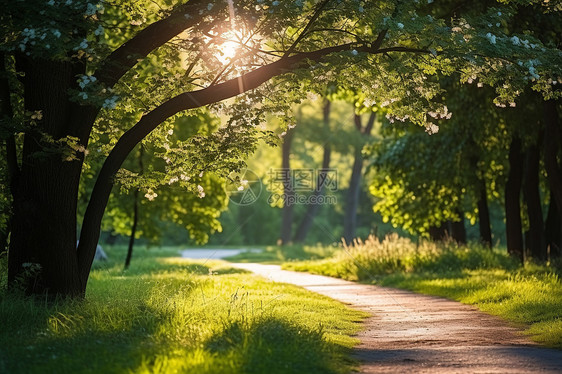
x=117, y=73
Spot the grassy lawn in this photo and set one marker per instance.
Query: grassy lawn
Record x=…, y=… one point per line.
x=170, y=315
x=529, y=295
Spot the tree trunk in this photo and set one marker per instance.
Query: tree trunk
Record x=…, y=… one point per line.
x=135, y=214
x=350, y=215
x=12, y=167
x=484, y=216
x=288, y=189
x=552, y=146
x=133, y=229
x=438, y=233
x=553, y=230
x=312, y=209
x=458, y=231
x=554, y=175
x=42, y=256
x=512, y=201
x=536, y=239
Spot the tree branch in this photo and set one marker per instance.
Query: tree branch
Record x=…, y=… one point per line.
x=357, y=122
x=150, y=38
x=189, y=100
x=370, y=123
x=301, y=36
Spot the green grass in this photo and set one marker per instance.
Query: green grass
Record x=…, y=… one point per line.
x=530, y=295
x=170, y=315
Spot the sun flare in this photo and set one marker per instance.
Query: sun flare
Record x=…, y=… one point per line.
x=227, y=51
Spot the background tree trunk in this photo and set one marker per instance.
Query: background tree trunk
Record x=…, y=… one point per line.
x=531, y=188
x=484, y=216
x=135, y=214
x=312, y=209
x=352, y=203
x=553, y=230
x=438, y=233
x=554, y=174
x=288, y=189
x=458, y=231
x=513, y=229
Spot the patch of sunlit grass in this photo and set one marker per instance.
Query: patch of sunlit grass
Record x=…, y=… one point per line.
x=168, y=315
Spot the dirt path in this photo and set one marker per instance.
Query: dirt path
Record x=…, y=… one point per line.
x=414, y=333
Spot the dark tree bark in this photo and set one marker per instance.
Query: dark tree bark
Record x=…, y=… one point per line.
x=288, y=189
x=513, y=228
x=536, y=240
x=312, y=209
x=484, y=216
x=352, y=203
x=135, y=215
x=133, y=229
x=553, y=230
x=458, y=231
x=554, y=175
x=6, y=113
x=46, y=191
x=439, y=233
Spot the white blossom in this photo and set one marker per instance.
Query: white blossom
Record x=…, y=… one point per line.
x=91, y=9
x=99, y=31
x=491, y=37
x=150, y=195
x=110, y=103
x=515, y=40
x=201, y=191
x=431, y=128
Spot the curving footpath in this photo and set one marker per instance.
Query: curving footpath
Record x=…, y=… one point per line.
x=408, y=332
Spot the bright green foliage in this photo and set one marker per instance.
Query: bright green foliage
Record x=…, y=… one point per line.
x=166, y=314
x=174, y=184
x=421, y=181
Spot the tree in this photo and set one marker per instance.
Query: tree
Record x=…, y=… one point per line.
x=68, y=68
x=352, y=203
x=313, y=207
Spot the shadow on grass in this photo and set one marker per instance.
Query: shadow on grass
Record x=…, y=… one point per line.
x=274, y=346
x=76, y=348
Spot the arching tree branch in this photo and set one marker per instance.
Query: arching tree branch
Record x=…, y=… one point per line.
x=185, y=101
x=150, y=38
